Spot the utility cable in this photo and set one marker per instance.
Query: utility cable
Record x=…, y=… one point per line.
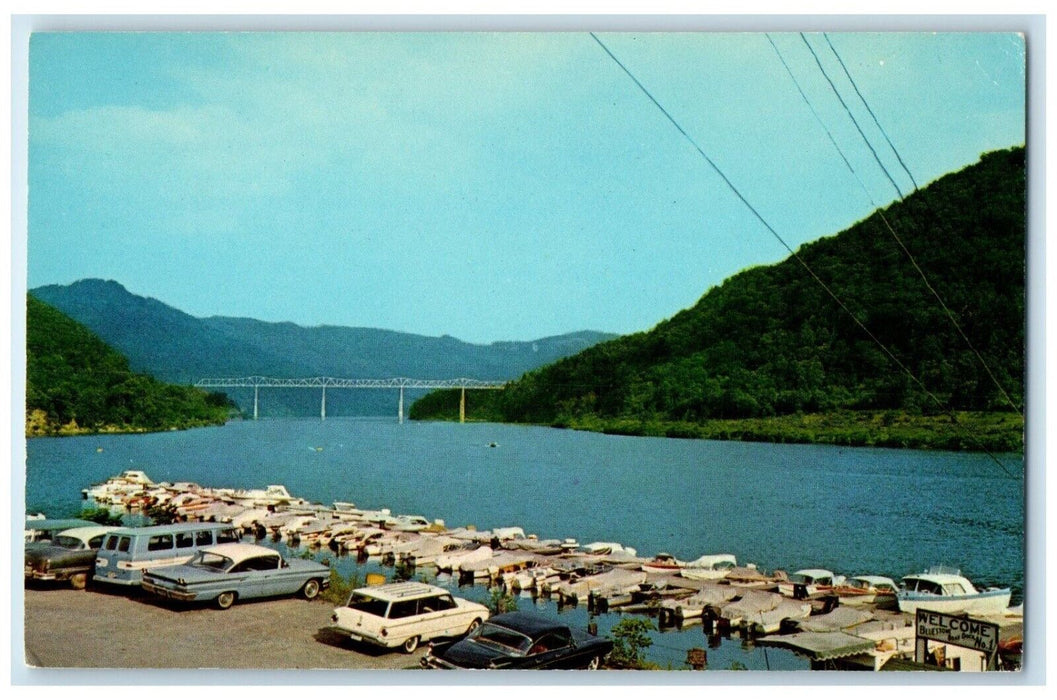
x=867, y=106
x=913, y=261
x=778, y=237
x=851, y=115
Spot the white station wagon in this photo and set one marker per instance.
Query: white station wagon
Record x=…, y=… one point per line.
x=405, y=614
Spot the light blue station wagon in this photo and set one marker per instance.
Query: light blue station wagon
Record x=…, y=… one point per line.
x=225, y=573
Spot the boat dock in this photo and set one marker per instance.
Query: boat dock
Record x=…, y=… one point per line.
x=829, y=619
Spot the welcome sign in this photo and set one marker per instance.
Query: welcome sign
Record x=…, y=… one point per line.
x=958, y=631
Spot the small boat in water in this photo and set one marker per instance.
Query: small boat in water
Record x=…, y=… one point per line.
x=809, y=582
x=945, y=590
x=867, y=590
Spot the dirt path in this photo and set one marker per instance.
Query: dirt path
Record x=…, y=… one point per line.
x=113, y=629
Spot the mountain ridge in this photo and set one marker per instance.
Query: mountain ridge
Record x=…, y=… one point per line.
x=177, y=347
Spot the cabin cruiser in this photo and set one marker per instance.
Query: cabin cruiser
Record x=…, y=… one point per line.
x=943, y=589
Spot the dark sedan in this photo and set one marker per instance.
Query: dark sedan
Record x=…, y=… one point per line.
x=520, y=640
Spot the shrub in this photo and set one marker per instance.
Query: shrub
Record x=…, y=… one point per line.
x=630, y=639
x=340, y=588
x=501, y=602
x=100, y=515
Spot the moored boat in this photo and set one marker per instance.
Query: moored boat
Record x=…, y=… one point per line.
x=945, y=590
x=867, y=590
x=807, y=582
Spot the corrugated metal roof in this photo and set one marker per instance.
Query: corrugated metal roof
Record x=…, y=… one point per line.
x=820, y=646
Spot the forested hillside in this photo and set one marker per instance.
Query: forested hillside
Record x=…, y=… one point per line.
x=770, y=341
x=76, y=383
x=177, y=347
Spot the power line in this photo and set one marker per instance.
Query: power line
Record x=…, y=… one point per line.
x=867, y=105
x=777, y=236
x=851, y=116
x=924, y=278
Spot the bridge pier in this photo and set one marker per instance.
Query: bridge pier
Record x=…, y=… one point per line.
x=400, y=407
x=462, y=406
x=255, y=388
x=323, y=405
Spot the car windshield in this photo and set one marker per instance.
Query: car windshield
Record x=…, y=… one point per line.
x=368, y=604
x=211, y=561
x=503, y=637
x=68, y=542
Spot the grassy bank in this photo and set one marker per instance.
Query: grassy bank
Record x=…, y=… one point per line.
x=960, y=431
x=963, y=431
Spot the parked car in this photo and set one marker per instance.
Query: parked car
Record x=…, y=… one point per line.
x=521, y=640
x=405, y=614
x=225, y=573
x=44, y=529
x=127, y=552
x=70, y=556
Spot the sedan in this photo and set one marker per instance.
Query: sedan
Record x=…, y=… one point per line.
x=69, y=556
x=225, y=573
x=520, y=640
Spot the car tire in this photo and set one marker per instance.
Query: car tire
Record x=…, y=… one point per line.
x=410, y=644
x=79, y=581
x=225, y=600
x=473, y=625
x=595, y=663
x=310, y=590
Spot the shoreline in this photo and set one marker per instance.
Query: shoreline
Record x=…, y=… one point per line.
x=963, y=431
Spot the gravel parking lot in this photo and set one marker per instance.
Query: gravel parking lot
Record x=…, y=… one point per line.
x=102, y=628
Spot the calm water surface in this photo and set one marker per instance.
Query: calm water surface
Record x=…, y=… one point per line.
x=851, y=510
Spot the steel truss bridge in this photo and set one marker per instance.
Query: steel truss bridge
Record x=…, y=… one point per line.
x=323, y=383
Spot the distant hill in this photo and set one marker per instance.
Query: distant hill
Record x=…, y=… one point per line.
x=76, y=383
x=771, y=342
x=181, y=348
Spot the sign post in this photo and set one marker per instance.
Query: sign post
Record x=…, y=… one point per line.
x=959, y=631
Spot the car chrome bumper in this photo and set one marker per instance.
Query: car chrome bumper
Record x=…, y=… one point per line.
x=166, y=592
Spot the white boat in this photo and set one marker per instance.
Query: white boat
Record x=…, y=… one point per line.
x=406, y=523
x=813, y=581
x=272, y=495
x=694, y=606
x=609, y=548
x=708, y=567
x=117, y=488
x=945, y=590
x=451, y=561
x=867, y=590
x=499, y=563
x=616, y=579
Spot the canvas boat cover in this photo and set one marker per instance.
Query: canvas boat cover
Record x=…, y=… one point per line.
x=771, y=620
x=714, y=595
x=751, y=604
x=820, y=646
x=839, y=619
x=744, y=573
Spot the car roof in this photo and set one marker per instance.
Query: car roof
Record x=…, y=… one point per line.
x=401, y=591
x=87, y=533
x=54, y=524
x=237, y=551
x=526, y=623
x=175, y=527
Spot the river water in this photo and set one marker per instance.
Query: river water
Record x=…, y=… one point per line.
x=851, y=510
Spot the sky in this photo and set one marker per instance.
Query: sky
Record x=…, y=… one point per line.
x=488, y=186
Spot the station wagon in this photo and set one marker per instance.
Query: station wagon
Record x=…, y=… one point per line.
x=405, y=614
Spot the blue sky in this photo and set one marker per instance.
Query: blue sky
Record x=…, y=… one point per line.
x=490, y=186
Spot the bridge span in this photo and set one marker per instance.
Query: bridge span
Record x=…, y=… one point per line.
x=322, y=383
